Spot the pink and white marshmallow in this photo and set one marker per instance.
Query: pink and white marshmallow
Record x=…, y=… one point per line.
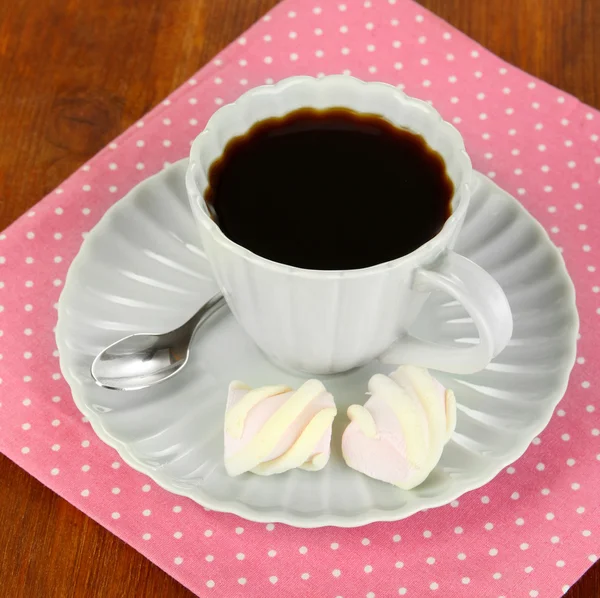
x=273, y=429
x=400, y=432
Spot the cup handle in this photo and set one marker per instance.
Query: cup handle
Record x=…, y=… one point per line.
x=484, y=300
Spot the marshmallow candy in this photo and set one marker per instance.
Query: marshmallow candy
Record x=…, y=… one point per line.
x=400, y=432
x=273, y=429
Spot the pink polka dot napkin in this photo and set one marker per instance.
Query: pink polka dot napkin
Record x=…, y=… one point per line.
x=533, y=530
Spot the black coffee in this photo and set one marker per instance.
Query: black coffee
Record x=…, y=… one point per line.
x=330, y=189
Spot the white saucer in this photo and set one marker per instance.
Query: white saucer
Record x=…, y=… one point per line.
x=141, y=268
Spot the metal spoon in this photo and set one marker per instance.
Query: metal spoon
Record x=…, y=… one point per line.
x=144, y=359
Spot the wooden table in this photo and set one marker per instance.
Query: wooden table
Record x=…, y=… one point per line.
x=74, y=74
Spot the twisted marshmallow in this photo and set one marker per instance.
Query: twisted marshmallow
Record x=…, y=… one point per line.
x=273, y=429
x=399, y=434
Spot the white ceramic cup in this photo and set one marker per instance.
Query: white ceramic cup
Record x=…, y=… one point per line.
x=325, y=322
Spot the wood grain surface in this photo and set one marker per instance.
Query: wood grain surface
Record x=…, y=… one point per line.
x=73, y=75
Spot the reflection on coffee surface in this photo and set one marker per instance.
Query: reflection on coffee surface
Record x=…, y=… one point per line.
x=329, y=190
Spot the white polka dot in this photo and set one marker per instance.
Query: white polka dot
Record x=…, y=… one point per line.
x=273, y=579
x=302, y=550
x=85, y=493
x=528, y=569
x=272, y=553
x=368, y=569
x=336, y=573
x=458, y=530
x=555, y=539
x=56, y=422
x=365, y=541
x=524, y=546
x=54, y=471
x=433, y=586
x=489, y=526
x=178, y=560
x=430, y=560
x=564, y=122
x=270, y=527
x=497, y=575
x=493, y=552
x=533, y=593
x=240, y=556
x=520, y=521
x=115, y=515
x=510, y=470
x=85, y=468
x=396, y=538
x=56, y=447
x=25, y=450
x=461, y=556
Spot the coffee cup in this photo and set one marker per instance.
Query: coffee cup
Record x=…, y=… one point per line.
x=327, y=321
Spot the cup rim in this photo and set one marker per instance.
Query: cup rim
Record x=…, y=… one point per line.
x=443, y=237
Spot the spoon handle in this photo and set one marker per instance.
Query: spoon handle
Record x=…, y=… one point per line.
x=208, y=309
